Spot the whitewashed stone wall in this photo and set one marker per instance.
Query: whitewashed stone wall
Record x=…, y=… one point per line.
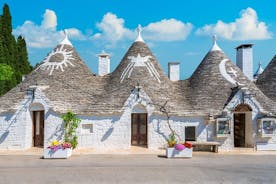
x=111, y=132
x=252, y=137
x=158, y=129
x=114, y=131
x=16, y=128
x=108, y=132
x=12, y=132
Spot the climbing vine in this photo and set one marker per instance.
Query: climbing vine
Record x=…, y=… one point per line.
x=71, y=124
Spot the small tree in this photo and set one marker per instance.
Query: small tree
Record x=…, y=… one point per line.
x=172, y=137
x=71, y=124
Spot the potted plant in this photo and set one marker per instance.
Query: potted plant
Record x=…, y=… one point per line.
x=64, y=149
x=58, y=150
x=180, y=150
x=175, y=149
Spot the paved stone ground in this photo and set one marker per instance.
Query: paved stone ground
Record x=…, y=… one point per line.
x=202, y=168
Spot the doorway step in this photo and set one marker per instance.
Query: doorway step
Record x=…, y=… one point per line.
x=244, y=150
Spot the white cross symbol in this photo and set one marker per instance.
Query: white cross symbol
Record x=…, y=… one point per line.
x=232, y=71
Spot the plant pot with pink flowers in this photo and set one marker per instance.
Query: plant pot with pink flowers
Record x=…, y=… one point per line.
x=64, y=149
x=178, y=150
x=58, y=150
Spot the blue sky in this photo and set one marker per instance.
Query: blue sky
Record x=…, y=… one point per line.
x=175, y=30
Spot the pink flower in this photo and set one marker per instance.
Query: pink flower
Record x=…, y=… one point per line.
x=179, y=147
x=66, y=145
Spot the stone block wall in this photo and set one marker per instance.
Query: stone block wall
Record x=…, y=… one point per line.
x=158, y=129
x=14, y=128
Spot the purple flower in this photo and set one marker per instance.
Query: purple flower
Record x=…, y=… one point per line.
x=179, y=147
x=55, y=147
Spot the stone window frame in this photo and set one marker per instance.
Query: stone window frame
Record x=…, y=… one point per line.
x=225, y=132
x=85, y=131
x=273, y=127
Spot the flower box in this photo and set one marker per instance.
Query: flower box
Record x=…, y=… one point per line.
x=59, y=153
x=174, y=153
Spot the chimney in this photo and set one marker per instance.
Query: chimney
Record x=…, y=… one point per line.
x=104, y=63
x=244, y=59
x=174, y=71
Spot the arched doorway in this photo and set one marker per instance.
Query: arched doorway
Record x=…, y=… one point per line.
x=139, y=126
x=242, y=125
x=37, y=113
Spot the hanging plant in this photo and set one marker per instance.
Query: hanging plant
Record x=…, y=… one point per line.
x=71, y=124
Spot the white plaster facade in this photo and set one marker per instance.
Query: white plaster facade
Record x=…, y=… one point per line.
x=114, y=131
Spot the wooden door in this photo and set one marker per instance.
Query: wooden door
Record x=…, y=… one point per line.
x=38, y=128
x=239, y=130
x=139, y=128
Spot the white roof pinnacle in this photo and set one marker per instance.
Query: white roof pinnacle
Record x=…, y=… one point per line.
x=259, y=70
x=139, y=37
x=215, y=47
x=66, y=41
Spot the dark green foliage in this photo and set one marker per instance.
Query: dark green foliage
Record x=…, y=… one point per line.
x=22, y=56
x=6, y=72
x=12, y=53
x=71, y=124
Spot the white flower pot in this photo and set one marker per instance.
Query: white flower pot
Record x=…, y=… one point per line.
x=60, y=153
x=174, y=153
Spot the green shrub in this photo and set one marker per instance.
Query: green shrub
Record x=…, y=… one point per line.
x=71, y=124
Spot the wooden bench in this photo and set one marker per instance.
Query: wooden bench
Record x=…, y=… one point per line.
x=214, y=145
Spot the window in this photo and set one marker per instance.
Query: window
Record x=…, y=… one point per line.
x=223, y=127
x=87, y=128
x=267, y=127
x=190, y=133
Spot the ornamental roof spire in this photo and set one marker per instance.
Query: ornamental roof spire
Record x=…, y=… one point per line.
x=259, y=70
x=139, y=37
x=66, y=41
x=215, y=47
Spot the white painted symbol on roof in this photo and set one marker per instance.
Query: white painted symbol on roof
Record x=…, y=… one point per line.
x=63, y=58
x=232, y=71
x=224, y=73
x=140, y=61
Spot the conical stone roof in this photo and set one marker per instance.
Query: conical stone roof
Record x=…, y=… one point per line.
x=212, y=83
x=61, y=75
x=267, y=80
x=139, y=66
x=68, y=84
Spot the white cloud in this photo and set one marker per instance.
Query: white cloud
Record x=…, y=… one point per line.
x=76, y=34
x=49, y=20
x=246, y=27
x=45, y=35
x=167, y=30
x=112, y=30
